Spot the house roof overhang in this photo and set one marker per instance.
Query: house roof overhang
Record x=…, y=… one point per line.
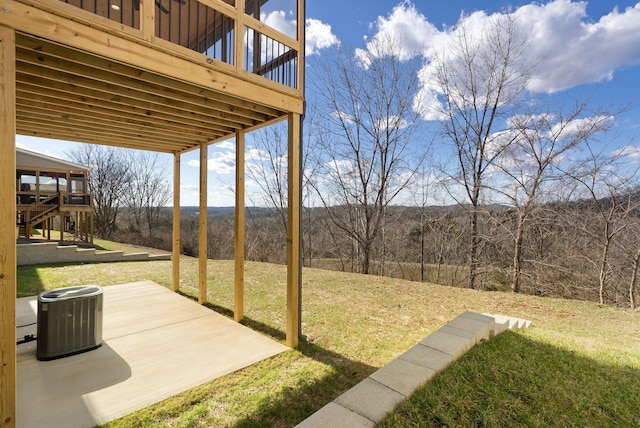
x=26, y=159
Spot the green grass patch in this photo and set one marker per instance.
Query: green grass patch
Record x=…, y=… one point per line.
x=519, y=380
x=577, y=366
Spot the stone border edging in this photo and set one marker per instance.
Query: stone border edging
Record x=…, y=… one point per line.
x=364, y=405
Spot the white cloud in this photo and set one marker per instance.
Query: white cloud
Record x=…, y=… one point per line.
x=220, y=162
x=632, y=152
x=341, y=167
x=226, y=145
x=391, y=123
x=569, y=47
x=342, y=116
x=405, y=33
x=189, y=187
x=254, y=154
x=278, y=20
x=318, y=36
x=576, y=127
x=575, y=49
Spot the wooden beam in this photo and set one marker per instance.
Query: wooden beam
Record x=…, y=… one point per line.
x=111, y=113
x=238, y=308
x=90, y=77
x=202, y=240
x=239, y=33
x=60, y=110
x=58, y=132
x=175, y=256
x=293, y=232
x=8, y=274
x=79, y=124
x=301, y=47
x=49, y=89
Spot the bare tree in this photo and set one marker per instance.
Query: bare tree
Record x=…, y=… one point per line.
x=479, y=78
x=607, y=183
x=365, y=152
x=147, y=191
x=267, y=169
x=634, y=274
x=109, y=175
x=530, y=163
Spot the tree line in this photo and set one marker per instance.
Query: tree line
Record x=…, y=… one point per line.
x=534, y=198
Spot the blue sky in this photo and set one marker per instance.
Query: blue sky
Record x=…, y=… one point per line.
x=583, y=43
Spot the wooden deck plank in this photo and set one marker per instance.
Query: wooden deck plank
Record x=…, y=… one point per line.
x=150, y=333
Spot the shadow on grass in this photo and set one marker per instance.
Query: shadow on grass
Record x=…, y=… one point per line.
x=293, y=405
x=258, y=326
x=514, y=380
x=511, y=380
x=29, y=281
x=296, y=404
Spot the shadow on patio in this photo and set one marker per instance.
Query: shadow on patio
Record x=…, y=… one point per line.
x=156, y=344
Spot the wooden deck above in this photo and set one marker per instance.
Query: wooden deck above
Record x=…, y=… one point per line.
x=82, y=77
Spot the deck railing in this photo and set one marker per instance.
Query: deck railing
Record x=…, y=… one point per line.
x=35, y=201
x=208, y=27
x=270, y=58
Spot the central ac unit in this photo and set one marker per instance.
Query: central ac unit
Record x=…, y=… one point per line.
x=69, y=321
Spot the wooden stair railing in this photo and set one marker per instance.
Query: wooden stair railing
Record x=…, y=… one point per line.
x=44, y=209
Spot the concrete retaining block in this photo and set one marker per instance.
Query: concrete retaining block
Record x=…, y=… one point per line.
x=368, y=402
x=51, y=252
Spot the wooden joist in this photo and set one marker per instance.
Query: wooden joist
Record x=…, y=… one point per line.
x=91, y=92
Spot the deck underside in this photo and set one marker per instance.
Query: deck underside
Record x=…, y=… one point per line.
x=68, y=94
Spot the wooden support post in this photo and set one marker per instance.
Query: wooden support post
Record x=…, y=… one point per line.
x=238, y=307
x=61, y=227
x=240, y=39
x=175, y=256
x=8, y=274
x=301, y=46
x=293, y=232
x=147, y=18
x=202, y=241
x=83, y=228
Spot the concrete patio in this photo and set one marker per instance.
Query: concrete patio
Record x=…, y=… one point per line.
x=156, y=344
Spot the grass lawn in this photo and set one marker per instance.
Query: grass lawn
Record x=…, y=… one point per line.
x=579, y=364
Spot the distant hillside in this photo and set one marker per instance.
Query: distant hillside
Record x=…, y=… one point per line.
x=222, y=211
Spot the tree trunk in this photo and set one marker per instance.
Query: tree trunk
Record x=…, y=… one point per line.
x=421, y=247
x=517, y=255
x=634, y=278
x=473, y=249
x=365, y=260
x=604, y=264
